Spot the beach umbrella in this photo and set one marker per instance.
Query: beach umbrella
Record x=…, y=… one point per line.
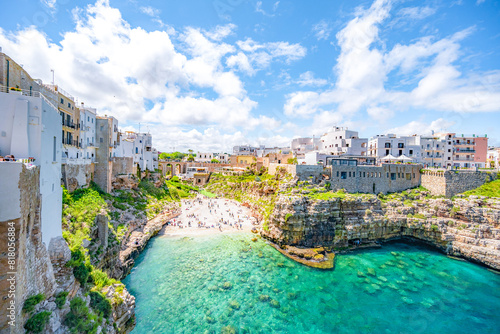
x=389, y=158
x=404, y=158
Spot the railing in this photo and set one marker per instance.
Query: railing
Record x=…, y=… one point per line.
x=463, y=159
x=464, y=143
x=24, y=92
x=71, y=142
x=69, y=125
x=465, y=150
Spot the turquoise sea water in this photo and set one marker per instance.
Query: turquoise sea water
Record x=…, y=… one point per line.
x=229, y=284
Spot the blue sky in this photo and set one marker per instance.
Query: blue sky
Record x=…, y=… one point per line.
x=208, y=75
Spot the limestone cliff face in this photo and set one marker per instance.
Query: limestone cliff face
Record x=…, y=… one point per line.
x=468, y=228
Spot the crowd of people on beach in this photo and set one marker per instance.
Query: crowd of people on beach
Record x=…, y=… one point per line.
x=218, y=214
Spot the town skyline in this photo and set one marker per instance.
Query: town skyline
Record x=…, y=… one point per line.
x=263, y=73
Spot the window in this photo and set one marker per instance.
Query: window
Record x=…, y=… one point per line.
x=337, y=173
x=411, y=152
x=379, y=174
x=401, y=145
x=69, y=105
x=136, y=150
x=393, y=176
x=387, y=174
x=54, y=150
x=343, y=175
x=386, y=152
x=349, y=174
x=387, y=145
x=346, y=145
x=101, y=140
x=62, y=100
x=399, y=175
x=449, y=150
x=400, y=152
x=408, y=176
x=364, y=174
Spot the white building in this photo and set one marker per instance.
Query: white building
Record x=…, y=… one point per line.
x=31, y=127
x=382, y=145
x=493, y=157
x=223, y=158
x=138, y=146
x=246, y=150
x=204, y=157
x=341, y=141
x=88, y=132
x=301, y=146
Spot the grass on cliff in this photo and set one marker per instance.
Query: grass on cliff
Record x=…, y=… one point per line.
x=490, y=189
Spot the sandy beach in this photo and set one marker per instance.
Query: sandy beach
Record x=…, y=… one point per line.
x=202, y=216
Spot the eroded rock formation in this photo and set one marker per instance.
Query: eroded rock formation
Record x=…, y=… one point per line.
x=467, y=228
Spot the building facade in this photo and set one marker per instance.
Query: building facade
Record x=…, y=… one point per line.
x=341, y=141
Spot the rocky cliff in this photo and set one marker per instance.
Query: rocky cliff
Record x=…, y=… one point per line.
x=463, y=227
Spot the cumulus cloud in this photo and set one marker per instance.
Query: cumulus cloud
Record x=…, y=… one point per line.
x=176, y=83
x=429, y=65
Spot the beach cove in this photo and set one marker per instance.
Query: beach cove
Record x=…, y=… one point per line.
x=225, y=282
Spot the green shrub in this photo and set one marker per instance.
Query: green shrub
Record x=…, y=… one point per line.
x=100, y=304
x=287, y=216
x=61, y=299
x=31, y=302
x=79, y=319
x=100, y=279
x=434, y=228
x=81, y=266
x=37, y=323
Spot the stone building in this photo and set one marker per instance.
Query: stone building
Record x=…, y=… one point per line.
x=375, y=179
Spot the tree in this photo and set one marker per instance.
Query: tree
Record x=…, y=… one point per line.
x=292, y=161
x=215, y=161
x=190, y=158
x=163, y=156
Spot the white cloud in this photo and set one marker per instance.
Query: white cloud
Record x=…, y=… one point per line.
x=417, y=13
x=49, y=3
x=427, y=64
x=308, y=79
x=478, y=2
x=418, y=127
x=150, y=11
x=322, y=30
x=259, y=9
x=260, y=55
x=221, y=32
x=188, y=87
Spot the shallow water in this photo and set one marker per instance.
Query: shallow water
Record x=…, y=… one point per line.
x=179, y=288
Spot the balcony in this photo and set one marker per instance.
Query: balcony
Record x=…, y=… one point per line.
x=71, y=143
x=464, y=150
x=464, y=159
x=70, y=125
x=464, y=143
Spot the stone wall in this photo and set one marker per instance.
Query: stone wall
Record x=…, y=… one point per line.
x=375, y=179
x=302, y=172
x=450, y=183
x=123, y=166
x=34, y=273
x=76, y=176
